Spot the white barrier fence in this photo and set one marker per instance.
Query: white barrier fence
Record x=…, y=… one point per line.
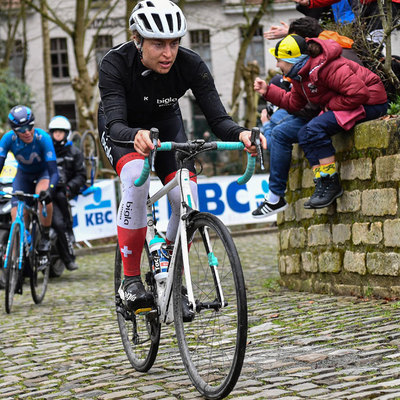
x=95, y=214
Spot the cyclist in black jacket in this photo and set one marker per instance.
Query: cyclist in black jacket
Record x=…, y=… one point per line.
x=140, y=83
x=72, y=173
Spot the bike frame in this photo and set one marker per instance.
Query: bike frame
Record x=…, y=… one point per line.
x=181, y=179
x=19, y=220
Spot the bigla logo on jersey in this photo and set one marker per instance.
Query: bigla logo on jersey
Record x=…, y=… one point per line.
x=166, y=101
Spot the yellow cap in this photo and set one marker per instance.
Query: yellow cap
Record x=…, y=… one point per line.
x=291, y=46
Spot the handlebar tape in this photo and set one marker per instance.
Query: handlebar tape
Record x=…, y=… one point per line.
x=145, y=173
x=251, y=166
x=166, y=146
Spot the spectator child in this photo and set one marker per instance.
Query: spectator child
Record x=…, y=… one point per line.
x=347, y=92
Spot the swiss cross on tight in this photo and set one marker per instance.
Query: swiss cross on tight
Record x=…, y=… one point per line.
x=126, y=251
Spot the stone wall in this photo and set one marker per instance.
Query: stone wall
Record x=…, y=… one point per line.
x=353, y=246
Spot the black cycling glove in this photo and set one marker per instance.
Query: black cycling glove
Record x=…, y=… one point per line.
x=45, y=196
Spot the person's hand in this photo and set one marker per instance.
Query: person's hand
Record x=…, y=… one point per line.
x=245, y=137
x=68, y=192
x=304, y=3
x=45, y=196
x=264, y=116
x=143, y=144
x=277, y=32
x=260, y=86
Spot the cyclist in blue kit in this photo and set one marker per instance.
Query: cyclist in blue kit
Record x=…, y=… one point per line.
x=140, y=83
x=37, y=166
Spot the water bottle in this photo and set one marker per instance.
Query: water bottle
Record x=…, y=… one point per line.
x=160, y=263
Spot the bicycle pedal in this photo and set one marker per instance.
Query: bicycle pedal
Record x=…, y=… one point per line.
x=143, y=311
x=43, y=262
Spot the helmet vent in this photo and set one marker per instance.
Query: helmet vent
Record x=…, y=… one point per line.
x=178, y=17
x=170, y=22
x=157, y=20
x=145, y=21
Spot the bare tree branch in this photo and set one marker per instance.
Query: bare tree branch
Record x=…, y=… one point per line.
x=50, y=15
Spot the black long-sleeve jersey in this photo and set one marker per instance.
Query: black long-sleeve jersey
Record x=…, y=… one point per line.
x=133, y=97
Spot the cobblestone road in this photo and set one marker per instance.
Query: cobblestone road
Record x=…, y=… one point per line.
x=301, y=345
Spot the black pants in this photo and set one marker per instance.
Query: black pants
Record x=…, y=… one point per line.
x=62, y=224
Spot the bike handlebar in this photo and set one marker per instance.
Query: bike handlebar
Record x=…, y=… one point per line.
x=198, y=146
x=20, y=195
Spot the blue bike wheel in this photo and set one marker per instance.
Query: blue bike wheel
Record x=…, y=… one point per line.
x=12, y=272
x=40, y=266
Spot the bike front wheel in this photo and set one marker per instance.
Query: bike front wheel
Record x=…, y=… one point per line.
x=40, y=267
x=12, y=271
x=140, y=333
x=213, y=344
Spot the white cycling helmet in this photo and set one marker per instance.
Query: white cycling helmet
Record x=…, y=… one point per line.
x=60, y=123
x=158, y=19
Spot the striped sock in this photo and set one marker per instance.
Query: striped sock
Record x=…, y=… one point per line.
x=328, y=169
x=317, y=171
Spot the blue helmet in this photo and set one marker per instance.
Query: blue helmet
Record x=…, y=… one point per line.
x=20, y=116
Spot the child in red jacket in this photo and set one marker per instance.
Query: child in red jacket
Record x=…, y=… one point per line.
x=347, y=92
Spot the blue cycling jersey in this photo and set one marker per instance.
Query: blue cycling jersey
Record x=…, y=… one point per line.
x=32, y=157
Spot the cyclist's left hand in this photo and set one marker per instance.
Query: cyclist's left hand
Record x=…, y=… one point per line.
x=245, y=139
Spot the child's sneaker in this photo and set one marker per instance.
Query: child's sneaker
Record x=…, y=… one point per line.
x=265, y=209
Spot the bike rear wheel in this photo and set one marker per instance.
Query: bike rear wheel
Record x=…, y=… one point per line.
x=140, y=333
x=213, y=345
x=40, y=267
x=75, y=138
x=90, y=151
x=12, y=272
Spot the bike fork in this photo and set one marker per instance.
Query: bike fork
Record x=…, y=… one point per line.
x=213, y=264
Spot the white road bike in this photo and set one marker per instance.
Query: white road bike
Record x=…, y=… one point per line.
x=205, y=269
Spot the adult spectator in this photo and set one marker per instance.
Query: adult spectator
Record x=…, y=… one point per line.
x=368, y=11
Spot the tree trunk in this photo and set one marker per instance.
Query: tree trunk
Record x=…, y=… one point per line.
x=48, y=79
x=25, y=41
x=250, y=72
x=130, y=4
x=248, y=35
x=387, y=25
x=82, y=84
x=12, y=26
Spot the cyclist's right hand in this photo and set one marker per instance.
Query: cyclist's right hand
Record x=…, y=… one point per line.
x=143, y=144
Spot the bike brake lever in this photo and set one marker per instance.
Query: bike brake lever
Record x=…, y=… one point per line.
x=154, y=134
x=44, y=208
x=255, y=139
